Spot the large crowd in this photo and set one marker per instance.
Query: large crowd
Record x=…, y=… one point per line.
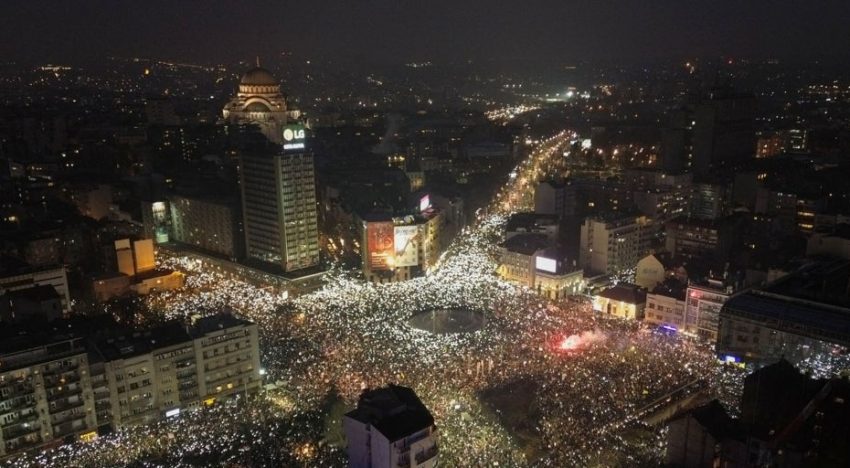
x=324, y=348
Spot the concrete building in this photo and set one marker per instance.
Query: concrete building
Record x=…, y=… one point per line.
x=834, y=242
x=723, y=130
x=662, y=204
x=279, y=210
x=555, y=277
x=227, y=357
x=769, y=144
x=716, y=131
x=791, y=210
x=398, y=248
x=643, y=178
x=702, y=311
x=523, y=223
x=786, y=419
x=665, y=305
x=804, y=314
x=690, y=238
x=45, y=391
x=17, y=275
x=531, y=260
x=36, y=302
x=614, y=243
x=623, y=300
x=211, y=225
x=278, y=184
x=139, y=375
x=137, y=272
x=88, y=375
x=709, y=200
x=705, y=437
x=517, y=257
x=391, y=428
x=556, y=198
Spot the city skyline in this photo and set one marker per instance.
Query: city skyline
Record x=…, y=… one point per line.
x=406, y=234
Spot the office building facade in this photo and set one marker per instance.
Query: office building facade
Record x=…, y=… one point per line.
x=615, y=243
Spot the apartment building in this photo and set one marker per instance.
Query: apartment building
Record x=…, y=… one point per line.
x=614, y=243
x=82, y=376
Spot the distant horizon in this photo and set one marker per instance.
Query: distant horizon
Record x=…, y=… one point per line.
x=276, y=60
x=382, y=31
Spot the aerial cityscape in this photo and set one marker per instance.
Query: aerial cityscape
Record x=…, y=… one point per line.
x=268, y=234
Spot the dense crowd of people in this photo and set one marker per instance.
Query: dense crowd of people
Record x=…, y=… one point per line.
x=352, y=335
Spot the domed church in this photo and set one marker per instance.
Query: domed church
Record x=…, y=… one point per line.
x=260, y=102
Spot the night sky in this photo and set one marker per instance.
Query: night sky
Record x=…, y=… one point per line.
x=385, y=30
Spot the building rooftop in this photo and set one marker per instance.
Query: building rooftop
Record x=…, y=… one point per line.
x=824, y=281
x=395, y=411
x=155, y=273
x=813, y=300
x=123, y=344
x=527, y=244
x=618, y=218
x=841, y=231
x=38, y=293
x=625, y=292
x=11, y=266
x=529, y=221
x=217, y=322
x=716, y=421
x=780, y=311
x=671, y=287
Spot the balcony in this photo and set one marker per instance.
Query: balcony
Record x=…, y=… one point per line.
x=64, y=392
x=60, y=370
x=22, y=419
x=423, y=457
x=18, y=387
x=68, y=416
x=63, y=378
x=58, y=407
x=17, y=403
x=67, y=428
x=20, y=430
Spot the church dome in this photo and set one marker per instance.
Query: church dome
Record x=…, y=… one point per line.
x=257, y=107
x=258, y=76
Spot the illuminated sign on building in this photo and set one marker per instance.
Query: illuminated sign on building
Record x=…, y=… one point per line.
x=172, y=412
x=380, y=244
x=406, y=246
x=293, y=137
x=424, y=203
x=546, y=264
x=159, y=211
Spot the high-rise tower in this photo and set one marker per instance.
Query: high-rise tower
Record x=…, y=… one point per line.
x=278, y=183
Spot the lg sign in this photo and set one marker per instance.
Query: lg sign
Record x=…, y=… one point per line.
x=290, y=134
x=293, y=137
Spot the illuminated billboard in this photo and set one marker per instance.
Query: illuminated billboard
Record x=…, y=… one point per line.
x=406, y=246
x=379, y=244
x=294, y=137
x=425, y=203
x=546, y=264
